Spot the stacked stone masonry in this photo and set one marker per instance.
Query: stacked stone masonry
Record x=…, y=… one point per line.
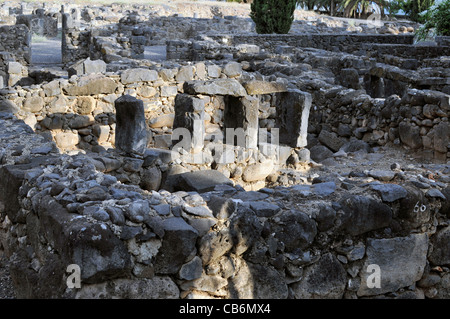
x=59, y=210
x=91, y=172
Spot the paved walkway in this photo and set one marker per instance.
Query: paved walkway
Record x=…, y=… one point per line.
x=46, y=51
x=155, y=53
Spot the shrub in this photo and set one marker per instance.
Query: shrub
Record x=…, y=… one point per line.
x=437, y=19
x=273, y=16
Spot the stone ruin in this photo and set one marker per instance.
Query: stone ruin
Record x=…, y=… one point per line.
x=241, y=166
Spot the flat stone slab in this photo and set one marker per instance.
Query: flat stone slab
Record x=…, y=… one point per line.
x=390, y=192
x=215, y=87
x=202, y=181
x=250, y=196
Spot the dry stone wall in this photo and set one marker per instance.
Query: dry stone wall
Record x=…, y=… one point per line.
x=82, y=185
x=216, y=242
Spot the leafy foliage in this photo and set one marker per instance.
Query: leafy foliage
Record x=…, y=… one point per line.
x=413, y=8
x=273, y=16
x=437, y=20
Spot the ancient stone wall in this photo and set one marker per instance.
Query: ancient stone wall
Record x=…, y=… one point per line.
x=40, y=23
x=220, y=242
x=418, y=119
x=225, y=45
x=350, y=43
x=16, y=40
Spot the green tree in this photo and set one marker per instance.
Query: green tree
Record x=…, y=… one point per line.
x=358, y=8
x=413, y=8
x=273, y=16
x=437, y=21
x=308, y=4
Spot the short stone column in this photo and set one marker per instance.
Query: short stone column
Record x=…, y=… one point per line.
x=131, y=129
x=189, y=123
x=292, y=117
x=241, y=121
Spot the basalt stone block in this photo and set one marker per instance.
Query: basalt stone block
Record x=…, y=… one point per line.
x=326, y=279
x=178, y=243
x=402, y=261
x=410, y=135
x=202, y=181
x=441, y=247
x=241, y=115
x=138, y=75
x=92, y=84
x=292, y=117
x=11, y=178
x=215, y=87
x=363, y=214
x=295, y=229
x=255, y=87
x=131, y=129
x=92, y=246
x=413, y=208
x=189, y=114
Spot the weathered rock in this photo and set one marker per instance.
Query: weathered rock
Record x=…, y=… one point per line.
x=331, y=140
x=326, y=279
x=325, y=217
x=292, y=117
x=191, y=270
x=256, y=87
x=266, y=283
x=349, y=78
x=131, y=130
x=138, y=75
x=158, y=287
x=189, y=123
x=151, y=179
x=84, y=105
x=222, y=208
x=410, y=135
x=241, y=115
x=94, y=66
x=258, y=171
x=264, y=209
x=8, y=106
x=401, y=260
x=215, y=87
x=52, y=88
x=441, y=138
x=245, y=229
x=178, y=243
x=202, y=181
x=390, y=192
x=414, y=210
x=66, y=140
x=91, y=85
x=214, y=245
x=318, y=153
x=98, y=252
x=440, y=255
x=185, y=73
x=58, y=104
x=34, y=104
x=295, y=229
x=363, y=214
x=382, y=175
x=232, y=69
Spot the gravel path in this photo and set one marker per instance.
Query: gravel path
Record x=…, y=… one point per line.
x=46, y=51
x=155, y=53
